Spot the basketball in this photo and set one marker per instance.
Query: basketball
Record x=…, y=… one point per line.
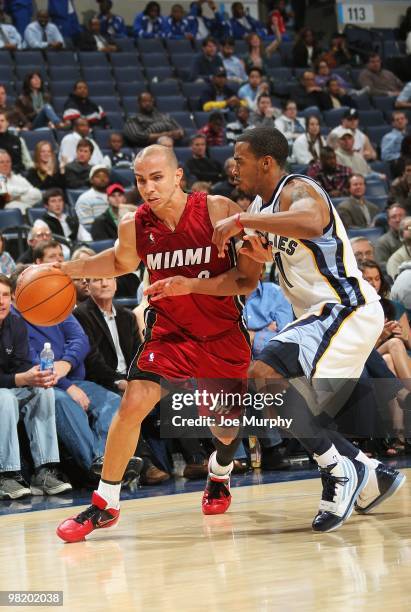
x=45, y=296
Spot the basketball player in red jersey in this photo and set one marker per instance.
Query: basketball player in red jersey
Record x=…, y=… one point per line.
x=193, y=336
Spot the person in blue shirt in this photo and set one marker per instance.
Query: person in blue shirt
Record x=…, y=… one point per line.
x=149, y=23
x=64, y=16
x=9, y=36
x=21, y=12
x=41, y=34
x=242, y=25
x=391, y=142
x=110, y=24
x=202, y=26
x=177, y=27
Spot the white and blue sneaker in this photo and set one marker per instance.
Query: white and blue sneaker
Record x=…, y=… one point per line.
x=382, y=484
x=342, y=484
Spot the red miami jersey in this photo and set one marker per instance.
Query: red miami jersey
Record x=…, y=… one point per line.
x=187, y=251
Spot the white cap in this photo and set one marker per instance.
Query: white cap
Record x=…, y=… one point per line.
x=47, y=345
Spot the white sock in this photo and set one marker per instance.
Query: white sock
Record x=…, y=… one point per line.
x=217, y=469
x=368, y=461
x=329, y=457
x=111, y=493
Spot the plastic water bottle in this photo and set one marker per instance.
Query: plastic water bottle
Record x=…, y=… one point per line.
x=47, y=357
x=255, y=451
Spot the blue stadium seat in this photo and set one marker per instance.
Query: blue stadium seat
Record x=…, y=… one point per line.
x=384, y=103
x=286, y=51
x=182, y=60
x=61, y=89
x=370, y=117
x=130, y=104
x=116, y=120
x=221, y=153
x=100, y=245
x=91, y=74
x=363, y=102
x=165, y=88
x=125, y=60
x=22, y=71
x=200, y=118
x=12, y=217
x=381, y=166
x=33, y=214
x=126, y=302
x=125, y=176
x=131, y=89
x=183, y=154
x=241, y=47
x=192, y=89
x=73, y=195
x=61, y=58
x=29, y=58
x=6, y=59
x=375, y=187
x=179, y=46
x=92, y=58
x=150, y=45
x=7, y=75
x=380, y=201
x=64, y=73
x=160, y=72
x=109, y=103
x=124, y=44
x=376, y=132
x=299, y=168
x=372, y=233
x=102, y=136
x=167, y=104
x=31, y=138
x=154, y=60
x=275, y=60
x=184, y=118
x=129, y=74
x=313, y=110
x=333, y=117
x=101, y=88
x=337, y=201
x=281, y=73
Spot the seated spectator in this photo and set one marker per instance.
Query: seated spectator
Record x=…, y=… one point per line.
x=34, y=104
x=200, y=167
x=401, y=289
x=25, y=392
x=217, y=94
x=92, y=39
x=362, y=143
x=289, y=124
x=7, y=263
x=227, y=186
x=391, y=142
x=307, y=93
x=78, y=105
x=41, y=34
x=45, y=173
x=323, y=74
x=14, y=145
x=346, y=156
x=149, y=23
x=333, y=177
x=241, y=24
x=307, y=147
x=81, y=284
x=306, y=49
x=10, y=38
x=362, y=248
x=48, y=252
x=40, y=232
x=59, y=222
x=404, y=97
x=213, y=130
x=18, y=192
x=207, y=62
x=234, y=67
x=165, y=141
x=254, y=87
x=335, y=96
x=94, y=201
x=401, y=187
x=380, y=82
x=338, y=53
x=202, y=26
x=276, y=29
x=395, y=337
x=105, y=225
x=357, y=212
x=111, y=25
x=15, y=118
x=242, y=199
x=68, y=145
x=77, y=172
x=257, y=55
x=387, y=244
x=236, y=128
x=201, y=187
x=266, y=113
x=119, y=156
x=177, y=26
x=404, y=30
x=63, y=15
x=149, y=124
x=403, y=254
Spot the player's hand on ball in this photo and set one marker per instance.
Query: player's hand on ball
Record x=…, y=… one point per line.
x=223, y=231
x=256, y=248
x=169, y=287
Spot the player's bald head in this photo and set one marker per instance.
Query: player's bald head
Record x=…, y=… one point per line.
x=165, y=157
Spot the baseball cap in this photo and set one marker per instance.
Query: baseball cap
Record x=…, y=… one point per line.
x=351, y=113
x=115, y=187
x=97, y=168
x=220, y=71
x=345, y=133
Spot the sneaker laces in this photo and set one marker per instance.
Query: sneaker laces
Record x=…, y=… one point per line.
x=91, y=513
x=216, y=487
x=330, y=483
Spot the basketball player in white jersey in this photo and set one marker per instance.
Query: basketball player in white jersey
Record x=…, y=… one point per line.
x=339, y=317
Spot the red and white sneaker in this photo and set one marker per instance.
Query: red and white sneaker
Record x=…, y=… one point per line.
x=97, y=516
x=216, y=496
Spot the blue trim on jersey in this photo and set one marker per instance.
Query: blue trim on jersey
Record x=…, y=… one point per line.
x=329, y=335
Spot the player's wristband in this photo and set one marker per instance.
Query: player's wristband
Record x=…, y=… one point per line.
x=238, y=222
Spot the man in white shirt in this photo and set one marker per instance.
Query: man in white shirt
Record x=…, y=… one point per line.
x=346, y=156
x=362, y=143
x=16, y=192
x=289, y=124
x=41, y=34
x=68, y=146
x=94, y=201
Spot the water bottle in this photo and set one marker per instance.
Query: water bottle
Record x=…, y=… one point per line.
x=255, y=451
x=47, y=357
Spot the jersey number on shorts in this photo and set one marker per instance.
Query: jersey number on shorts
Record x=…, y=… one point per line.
x=280, y=267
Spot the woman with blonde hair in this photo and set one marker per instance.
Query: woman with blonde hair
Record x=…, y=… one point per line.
x=45, y=173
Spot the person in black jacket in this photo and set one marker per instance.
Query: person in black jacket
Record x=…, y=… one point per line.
x=25, y=391
x=105, y=225
x=93, y=40
x=58, y=221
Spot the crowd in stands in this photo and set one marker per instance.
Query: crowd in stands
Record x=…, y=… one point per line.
x=77, y=102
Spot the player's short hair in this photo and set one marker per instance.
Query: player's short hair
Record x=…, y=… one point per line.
x=266, y=141
x=156, y=148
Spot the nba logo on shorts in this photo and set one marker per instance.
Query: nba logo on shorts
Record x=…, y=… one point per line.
x=151, y=357
x=151, y=237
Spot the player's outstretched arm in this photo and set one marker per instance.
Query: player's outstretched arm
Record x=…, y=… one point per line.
x=119, y=260
x=303, y=214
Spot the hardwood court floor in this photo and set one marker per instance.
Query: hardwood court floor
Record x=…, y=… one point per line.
x=165, y=556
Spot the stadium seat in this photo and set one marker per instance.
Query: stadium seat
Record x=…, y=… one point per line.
x=130, y=104
x=376, y=133
x=12, y=217
x=275, y=60
x=281, y=73
x=100, y=73
x=183, y=154
x=166, y=104
x=29, y=58
x=64, y=73
x=128, y=74
x=380, y=201
x=384, y=103
x=101, y=88
x=286, y=52
x=182, y=60
x=100, y=245
x=154, y=60
x=125, y=176
x=241, y=47
x=221, y=153
x=6, y=59
x=184, y=118
x=125, y=60
x=93, y=58
x=124, y=44
x=179, y=46
x=73, y=195
x=126, y=302
x=116, y=120
x=381, y=166
x=133, y=88
x=298, y=168
x=33, y=214
x=61, y=89
x=31, y=138
x=7, y=75
x=200, y=118
x=192, y=89
x=160, y=72
x=166, y=88
x=102, y=136
x=23, y=71
x=375, y=188
x=109, y=103
x=150, y=45
x=372, y=233
x=370, y=117
x=333, y=117
x=61, y=58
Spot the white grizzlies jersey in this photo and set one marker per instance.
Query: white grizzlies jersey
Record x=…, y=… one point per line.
x=320, y=270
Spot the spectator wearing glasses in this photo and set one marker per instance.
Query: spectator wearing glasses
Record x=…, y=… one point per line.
x=40, y=232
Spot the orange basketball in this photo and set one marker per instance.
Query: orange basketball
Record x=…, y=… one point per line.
x=45, y=296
